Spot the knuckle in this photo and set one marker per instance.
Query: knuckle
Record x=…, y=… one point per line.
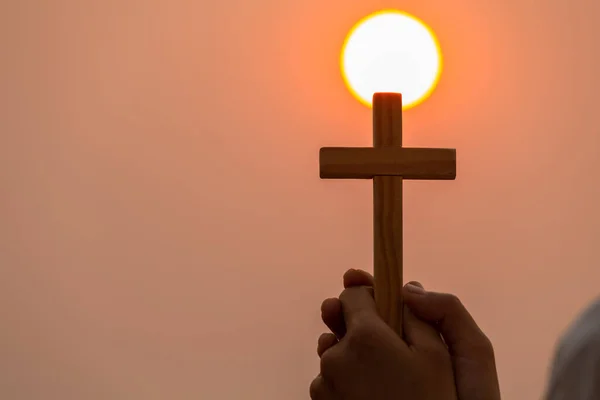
x=453, y=301
x=315, y=388
x=486, y=348
x=329, y=302
x=363, y=337
x=452, y=305
x=324, y=304
x=324, y=338
x=329, y=363
x=325, y=341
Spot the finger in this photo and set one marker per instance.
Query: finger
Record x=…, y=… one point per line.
x=421, y=334
x=326, y=340
x=357, y=302
x=457, y=326
x=333, y=317
x=357, y=277
x=333, y=363
x=321, y=390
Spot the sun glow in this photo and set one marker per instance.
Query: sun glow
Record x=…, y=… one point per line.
x=391, y=51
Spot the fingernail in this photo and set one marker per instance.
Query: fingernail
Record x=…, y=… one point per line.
x=415, y=289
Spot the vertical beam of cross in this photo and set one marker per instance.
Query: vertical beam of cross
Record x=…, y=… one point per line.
x=388, y=164
x=387, y=214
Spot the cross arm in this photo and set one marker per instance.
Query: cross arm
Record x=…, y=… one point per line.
x=368, y=162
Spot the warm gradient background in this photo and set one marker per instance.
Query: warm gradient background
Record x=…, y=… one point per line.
x=164, y=233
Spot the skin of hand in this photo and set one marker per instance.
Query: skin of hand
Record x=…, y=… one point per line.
x=364, y=359
x=471, y=352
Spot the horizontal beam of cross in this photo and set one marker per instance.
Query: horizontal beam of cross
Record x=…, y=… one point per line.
x=368, y=162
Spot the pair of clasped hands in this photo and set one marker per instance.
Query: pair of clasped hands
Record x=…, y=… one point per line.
x=443, y=355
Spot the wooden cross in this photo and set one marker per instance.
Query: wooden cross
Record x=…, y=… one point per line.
x=388, y=164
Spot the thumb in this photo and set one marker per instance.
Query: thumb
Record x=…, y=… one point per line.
x=460, y=331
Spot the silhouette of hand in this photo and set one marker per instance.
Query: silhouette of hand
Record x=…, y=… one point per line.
x=364, y=359
x=470, y=351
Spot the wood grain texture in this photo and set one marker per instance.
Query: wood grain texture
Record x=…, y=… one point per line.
x=388, y=164
x=387, y=214
x=368, y=162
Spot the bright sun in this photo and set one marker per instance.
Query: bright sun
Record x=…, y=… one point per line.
x=391, y=51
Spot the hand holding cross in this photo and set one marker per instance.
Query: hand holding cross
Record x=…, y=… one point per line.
x=387, y=163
